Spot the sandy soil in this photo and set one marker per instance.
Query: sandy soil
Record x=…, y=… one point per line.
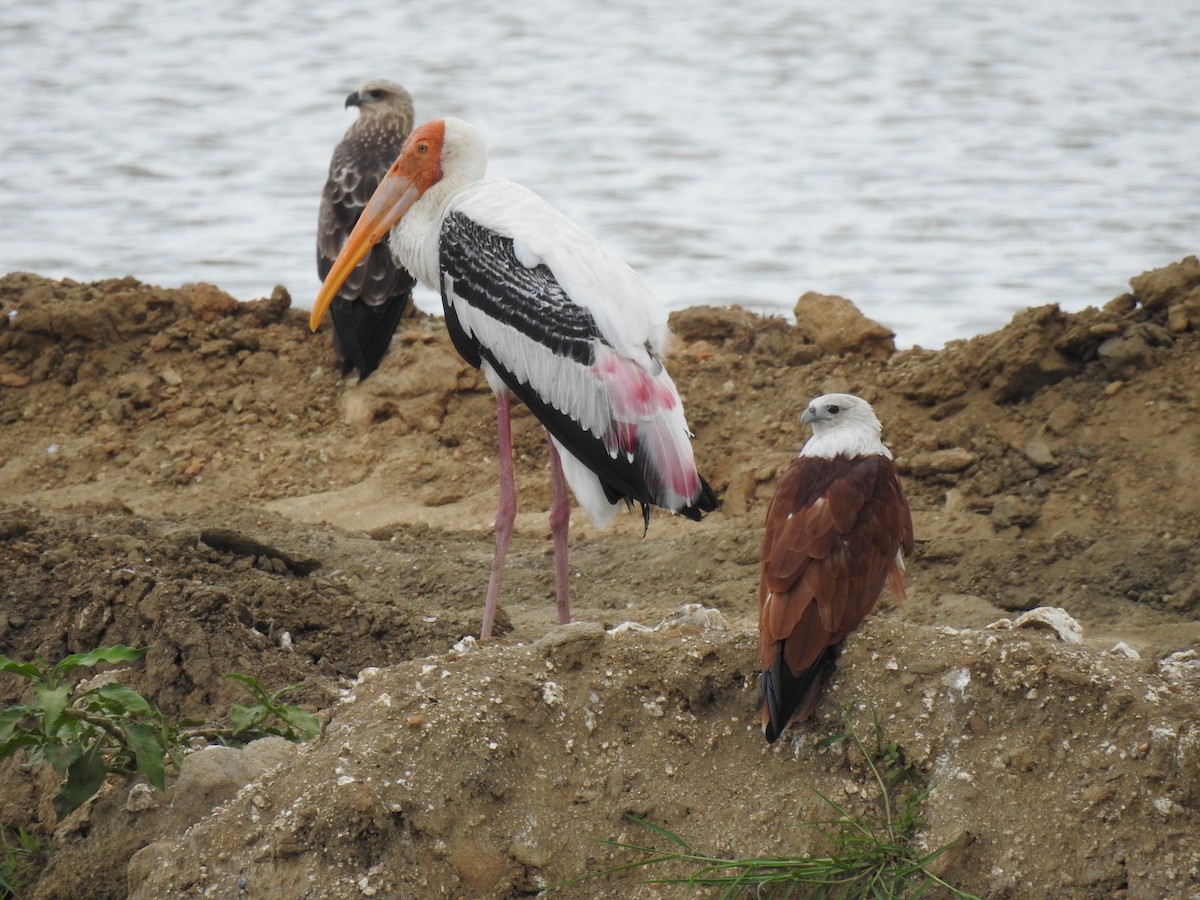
x=184, y=472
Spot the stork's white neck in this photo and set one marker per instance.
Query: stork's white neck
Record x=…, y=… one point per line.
x=414, y=239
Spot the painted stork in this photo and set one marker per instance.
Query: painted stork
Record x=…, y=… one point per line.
x=836, y=530
x=549, y=315
x=370, y=302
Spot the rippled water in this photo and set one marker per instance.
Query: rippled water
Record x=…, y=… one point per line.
x=943, y=164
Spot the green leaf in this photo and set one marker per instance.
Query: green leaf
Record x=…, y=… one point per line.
x=53, y=701
x=285, y=690
x=252, y=685
x=306, y=723
x=11, y=718
x=128, y=699
x=62, y=756
x=831, y=741
x=148, y=751
x=118, y=653
x=27, y=671
x=15, y=743
x=659, y=830
x=245, y=717
x=84, y=778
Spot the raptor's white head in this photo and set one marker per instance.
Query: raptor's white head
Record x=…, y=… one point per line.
x=843, y=425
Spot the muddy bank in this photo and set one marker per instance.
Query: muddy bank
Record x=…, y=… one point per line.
x=187, y=473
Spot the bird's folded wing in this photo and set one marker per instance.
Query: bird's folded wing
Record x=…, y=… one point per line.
x=620, y=413
x=829, y=543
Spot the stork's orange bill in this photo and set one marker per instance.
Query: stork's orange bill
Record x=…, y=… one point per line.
x=410, y=176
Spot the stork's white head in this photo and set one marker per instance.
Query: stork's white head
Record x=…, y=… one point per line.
x=438, y=160
x=843, y=425
x=464, y=151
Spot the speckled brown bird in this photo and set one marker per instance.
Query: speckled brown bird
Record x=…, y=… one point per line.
x=837, y=531
x=374, y=296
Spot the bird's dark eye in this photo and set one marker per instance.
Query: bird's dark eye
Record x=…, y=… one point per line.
x=375, y=94
x=833, y=409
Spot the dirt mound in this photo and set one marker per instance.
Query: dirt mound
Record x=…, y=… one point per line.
x=187, y=473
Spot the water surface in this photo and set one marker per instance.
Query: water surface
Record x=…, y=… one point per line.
x=943, y=164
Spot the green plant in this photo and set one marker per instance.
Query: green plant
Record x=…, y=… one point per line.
x=258, y=719
x=21, y=855
x=871, y=854
x=84, y=736
x=88, y=735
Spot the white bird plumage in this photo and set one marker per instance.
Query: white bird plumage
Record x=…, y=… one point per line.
x=550, y=314
x=843, y=425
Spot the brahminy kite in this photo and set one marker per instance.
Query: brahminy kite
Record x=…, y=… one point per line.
x=837, y=531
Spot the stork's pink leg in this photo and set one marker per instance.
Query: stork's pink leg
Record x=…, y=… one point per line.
x=506, y=512
x=560, y=523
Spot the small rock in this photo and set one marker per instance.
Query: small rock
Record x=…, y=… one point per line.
x=1056, y=619
x=1121, y=305
x=1063, y=417
x=527, y=852
x=629, y=627
x=1178, y=318
x=1180, y=666
x=1038, y=452
x=480, y=867
x=246, y=339
x=1124, y=351
x=141, y=797
x=1104, y=329
x=569, y=645
x=712, y=323
x=1167, y=806
x=216, y=347
x=213, y=775
x=1013, y=511
x=955, y=501
x=466, y=645
x=938, y=462
x=1123, y=649
x=943, y=548
x=836, y=326
x=210, y=302
x=1156, y=288
x=694, y=615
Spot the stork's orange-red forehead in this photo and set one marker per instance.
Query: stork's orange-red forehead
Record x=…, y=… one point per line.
x=420, y=161
x=426, y=138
